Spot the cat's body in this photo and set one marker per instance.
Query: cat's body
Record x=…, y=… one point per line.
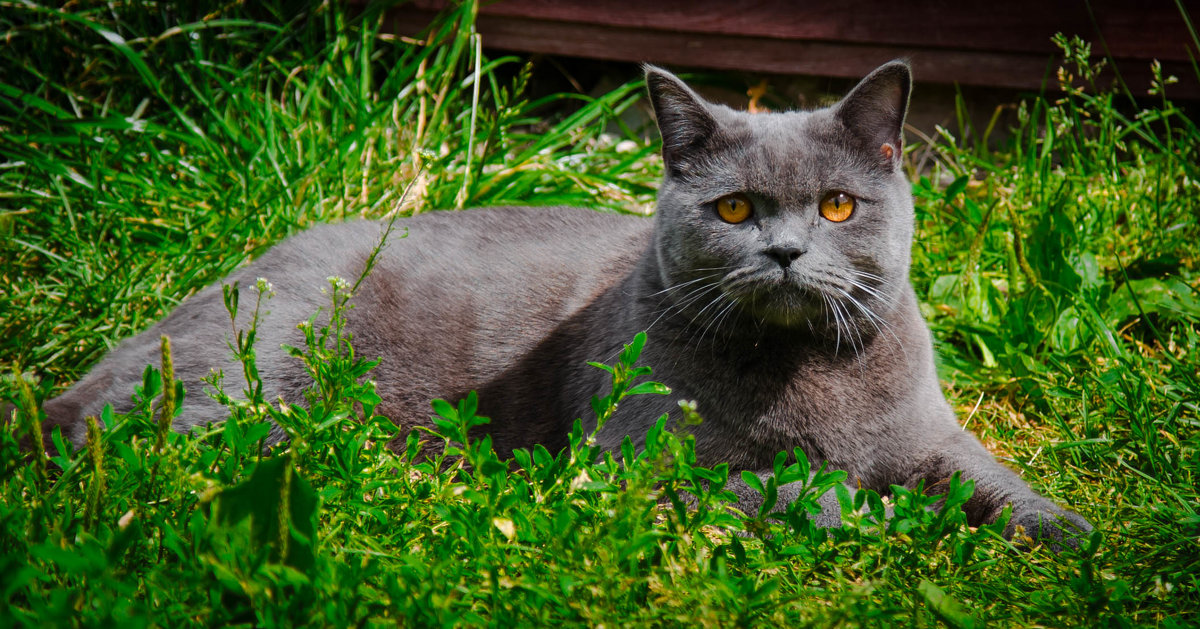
x=789, y=321
x=454, y=334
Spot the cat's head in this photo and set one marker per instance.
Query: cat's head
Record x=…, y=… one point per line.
x=795, y=219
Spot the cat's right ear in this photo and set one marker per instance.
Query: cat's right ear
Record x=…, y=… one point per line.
x=683, y=119
x=874, y=111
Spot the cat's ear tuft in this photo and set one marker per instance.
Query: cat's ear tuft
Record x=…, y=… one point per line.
x=683, y=117
x=874, y=110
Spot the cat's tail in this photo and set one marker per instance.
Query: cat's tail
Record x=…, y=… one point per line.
x=16, y=420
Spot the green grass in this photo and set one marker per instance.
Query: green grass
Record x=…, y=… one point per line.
x=148, y=149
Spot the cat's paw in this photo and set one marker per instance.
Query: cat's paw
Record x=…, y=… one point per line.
x=1049, y=525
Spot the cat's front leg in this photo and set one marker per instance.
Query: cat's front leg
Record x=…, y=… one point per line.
x=996, y=486
x=749, y=499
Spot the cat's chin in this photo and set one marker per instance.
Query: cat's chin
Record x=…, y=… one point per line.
x=799, y=303
x=787, y=308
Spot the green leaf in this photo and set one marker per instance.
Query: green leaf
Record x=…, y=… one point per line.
x=753, y=481
x=803, y=462
x=603, y=366
x=955, y=188
x=770, y=497
x=445, y=410
x=274, y=493
x=945, y=607
x=656, y=388
x=1066, y=335
x=1170, y=298
x=633, y=351
x=845, y=501
x=778, y=463
x=468, y=406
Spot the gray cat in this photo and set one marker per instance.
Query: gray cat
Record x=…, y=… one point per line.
x=773, y=282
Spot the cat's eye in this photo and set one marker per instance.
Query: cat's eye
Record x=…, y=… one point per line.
x=837, y=207
x=734, y=208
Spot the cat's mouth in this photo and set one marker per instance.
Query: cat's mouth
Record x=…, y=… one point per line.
x=781, y=296
x=799, y=297
x=837, y=303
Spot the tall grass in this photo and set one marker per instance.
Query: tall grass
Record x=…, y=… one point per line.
x=151, y=151
x=148, y=149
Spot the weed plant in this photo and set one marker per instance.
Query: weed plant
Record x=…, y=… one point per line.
x=150, y=148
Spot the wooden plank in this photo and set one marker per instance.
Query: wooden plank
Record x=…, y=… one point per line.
x=1135, y=30
x=778, y=56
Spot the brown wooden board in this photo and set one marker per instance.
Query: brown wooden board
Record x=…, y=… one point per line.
x=1001, y=44
x=1132, y=29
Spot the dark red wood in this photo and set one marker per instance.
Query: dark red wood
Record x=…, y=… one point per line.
x=1133, y=29
x=735, y=51
x=993, y=43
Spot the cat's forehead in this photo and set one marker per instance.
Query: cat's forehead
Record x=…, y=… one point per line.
x=790, y=136
x=797, y=152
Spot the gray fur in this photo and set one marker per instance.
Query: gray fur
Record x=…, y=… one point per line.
x=828, y=353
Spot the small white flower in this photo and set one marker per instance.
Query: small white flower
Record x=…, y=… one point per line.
x=338, y=283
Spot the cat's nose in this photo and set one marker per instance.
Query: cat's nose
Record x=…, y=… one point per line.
x=785, y=255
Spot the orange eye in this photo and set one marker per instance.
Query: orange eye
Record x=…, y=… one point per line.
x=837, y=207
x=734, y=208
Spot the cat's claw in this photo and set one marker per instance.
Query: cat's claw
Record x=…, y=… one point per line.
x=1051, y=526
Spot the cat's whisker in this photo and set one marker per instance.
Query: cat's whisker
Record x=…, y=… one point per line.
x=683, y=284
x=711, y=319
x=868, y=275
x=853, y=276
x=881, y=325
x=837, y=321
x=695, y=295
x=687, y=298
x=724, y=316
x=692, y=321
x=846, y=322
x=853, y=331
x=715, y=300
x=862, y=345
x=718, y=316
x=871, y=316
x=841, y=316
x=738, y=276
x=679, y=305
x=874, y=292
x=682, y=302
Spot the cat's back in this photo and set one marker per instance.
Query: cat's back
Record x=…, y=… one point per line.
x=529, y=236
x=543, y=262
x=490, y=251
x=494, y=250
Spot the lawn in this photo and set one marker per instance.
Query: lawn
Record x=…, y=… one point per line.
x=151, y=148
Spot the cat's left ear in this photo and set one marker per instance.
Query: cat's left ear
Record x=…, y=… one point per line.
x=683, y=119
x=874, y=110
